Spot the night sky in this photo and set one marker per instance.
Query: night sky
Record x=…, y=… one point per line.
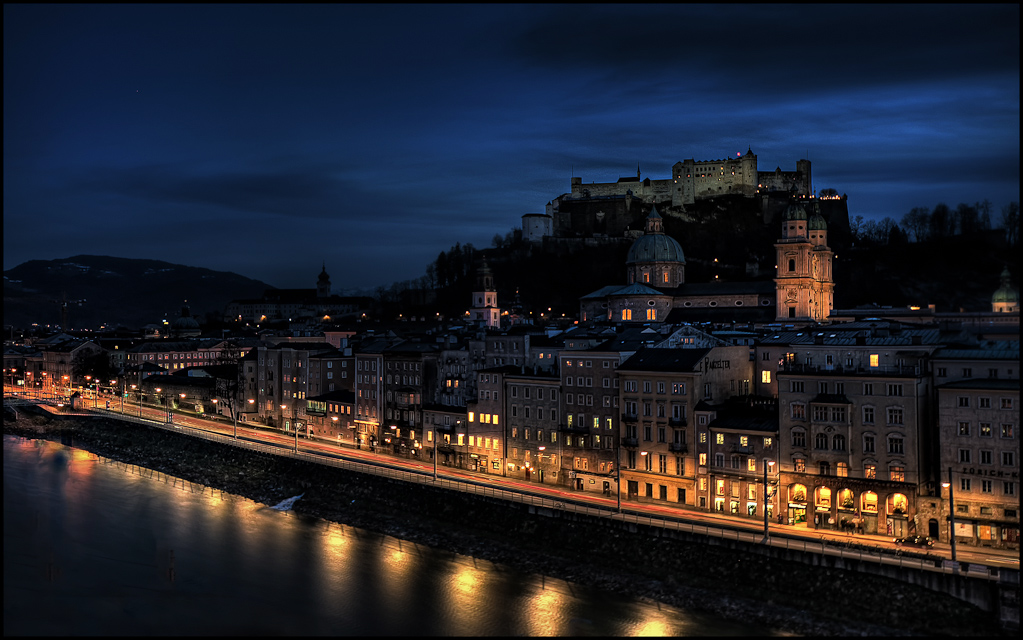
x=267, y=139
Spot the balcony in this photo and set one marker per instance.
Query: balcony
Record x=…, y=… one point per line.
x=630, y=442
x=630, y=417
x=678, y=422
x=678, y=447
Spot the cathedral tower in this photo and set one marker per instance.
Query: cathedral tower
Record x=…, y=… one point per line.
x=803, y=282
x=323, y=283
x=484, y=298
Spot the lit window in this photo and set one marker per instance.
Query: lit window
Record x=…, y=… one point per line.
x=471, y=416
x=873, y=360
x=765, y=377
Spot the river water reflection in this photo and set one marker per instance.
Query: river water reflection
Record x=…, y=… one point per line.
x=93, y=548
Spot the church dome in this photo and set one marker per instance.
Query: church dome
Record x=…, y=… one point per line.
x=795, y=212
x=655, y=248
x=817, y=222
x=185, y=325
x=1006, y=293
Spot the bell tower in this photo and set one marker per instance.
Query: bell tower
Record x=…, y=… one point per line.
x=804, y=284
x=484, y=298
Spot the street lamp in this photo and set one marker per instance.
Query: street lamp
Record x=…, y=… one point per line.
x=293, y=425
x=167, y=409
x=951, y=514
x=766, y=498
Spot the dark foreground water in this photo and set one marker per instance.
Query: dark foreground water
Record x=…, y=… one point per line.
x=91, y=548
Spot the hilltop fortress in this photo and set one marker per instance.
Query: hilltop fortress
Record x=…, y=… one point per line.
x=616, y=209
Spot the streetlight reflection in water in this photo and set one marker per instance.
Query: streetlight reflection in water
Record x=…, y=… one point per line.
x=122, y=531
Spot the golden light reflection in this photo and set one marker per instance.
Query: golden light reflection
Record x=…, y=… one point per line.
x=658, y=628
x=546, y=619
x=466, y=580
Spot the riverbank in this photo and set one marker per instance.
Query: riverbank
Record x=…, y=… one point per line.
x=785, y=596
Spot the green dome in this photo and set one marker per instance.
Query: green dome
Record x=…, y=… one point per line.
x=655, y=248
x=795, y=212
x=1006, y=292
x=817, y=222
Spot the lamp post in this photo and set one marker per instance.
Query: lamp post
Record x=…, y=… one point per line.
x=951, y=514
x=293, y=425
x=88, y=379
x=434, y=438
x=618, y=472
x=167, y=407
x=766, y=498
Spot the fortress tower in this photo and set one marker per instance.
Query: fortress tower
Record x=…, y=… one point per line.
x=804, y=283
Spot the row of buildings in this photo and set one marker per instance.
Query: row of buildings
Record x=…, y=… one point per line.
x=809, y=415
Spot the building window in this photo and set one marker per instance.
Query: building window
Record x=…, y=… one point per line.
x=842, y=470
x=799, y=464
x=964, y=484
x=895, y=445
x=820, y=441
x=825, y=468
x=964, y=455
x=838, y=442
x=799, y=439
x=986, y=486
x=985, y=429
x=1007, y=430
x=1006, y=403
x=898, y=474
x=964, y=401
x=894, y=389
x=799, y=412
x=894, y=415
x=868, y=444
x=1008, y=458
x=964, y=428
x=870, y=471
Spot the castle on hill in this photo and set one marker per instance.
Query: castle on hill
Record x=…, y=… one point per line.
x=617, y=210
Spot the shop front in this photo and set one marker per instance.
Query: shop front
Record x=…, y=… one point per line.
x=896, y=521
x=797, y=504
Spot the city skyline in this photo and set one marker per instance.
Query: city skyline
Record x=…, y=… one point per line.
x=268, y=139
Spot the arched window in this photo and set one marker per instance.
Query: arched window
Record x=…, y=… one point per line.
x=820, y=441
x=898, y=503
x=823, y=498
x=846, y=499
x=838, y=442
x=868, y=502
x=797, y=493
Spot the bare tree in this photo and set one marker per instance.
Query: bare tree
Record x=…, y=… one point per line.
x=917, y=222
x=1010, y=222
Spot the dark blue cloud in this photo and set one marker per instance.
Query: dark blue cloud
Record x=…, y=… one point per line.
x=375, y=136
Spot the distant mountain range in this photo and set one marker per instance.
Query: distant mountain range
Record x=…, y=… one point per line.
x=117, y=291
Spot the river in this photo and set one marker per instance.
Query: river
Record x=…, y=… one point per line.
x=92, y=547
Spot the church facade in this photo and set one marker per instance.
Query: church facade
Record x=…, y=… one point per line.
x=656, y=290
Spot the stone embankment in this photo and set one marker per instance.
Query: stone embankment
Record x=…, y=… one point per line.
x=783, y=596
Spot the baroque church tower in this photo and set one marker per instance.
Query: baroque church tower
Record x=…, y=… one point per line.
x=323, y=283
x=803, y=282
x=484, y=298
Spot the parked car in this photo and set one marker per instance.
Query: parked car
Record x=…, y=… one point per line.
x=915, y=541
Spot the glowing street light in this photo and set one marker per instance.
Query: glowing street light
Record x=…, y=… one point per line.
x=766, y=497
